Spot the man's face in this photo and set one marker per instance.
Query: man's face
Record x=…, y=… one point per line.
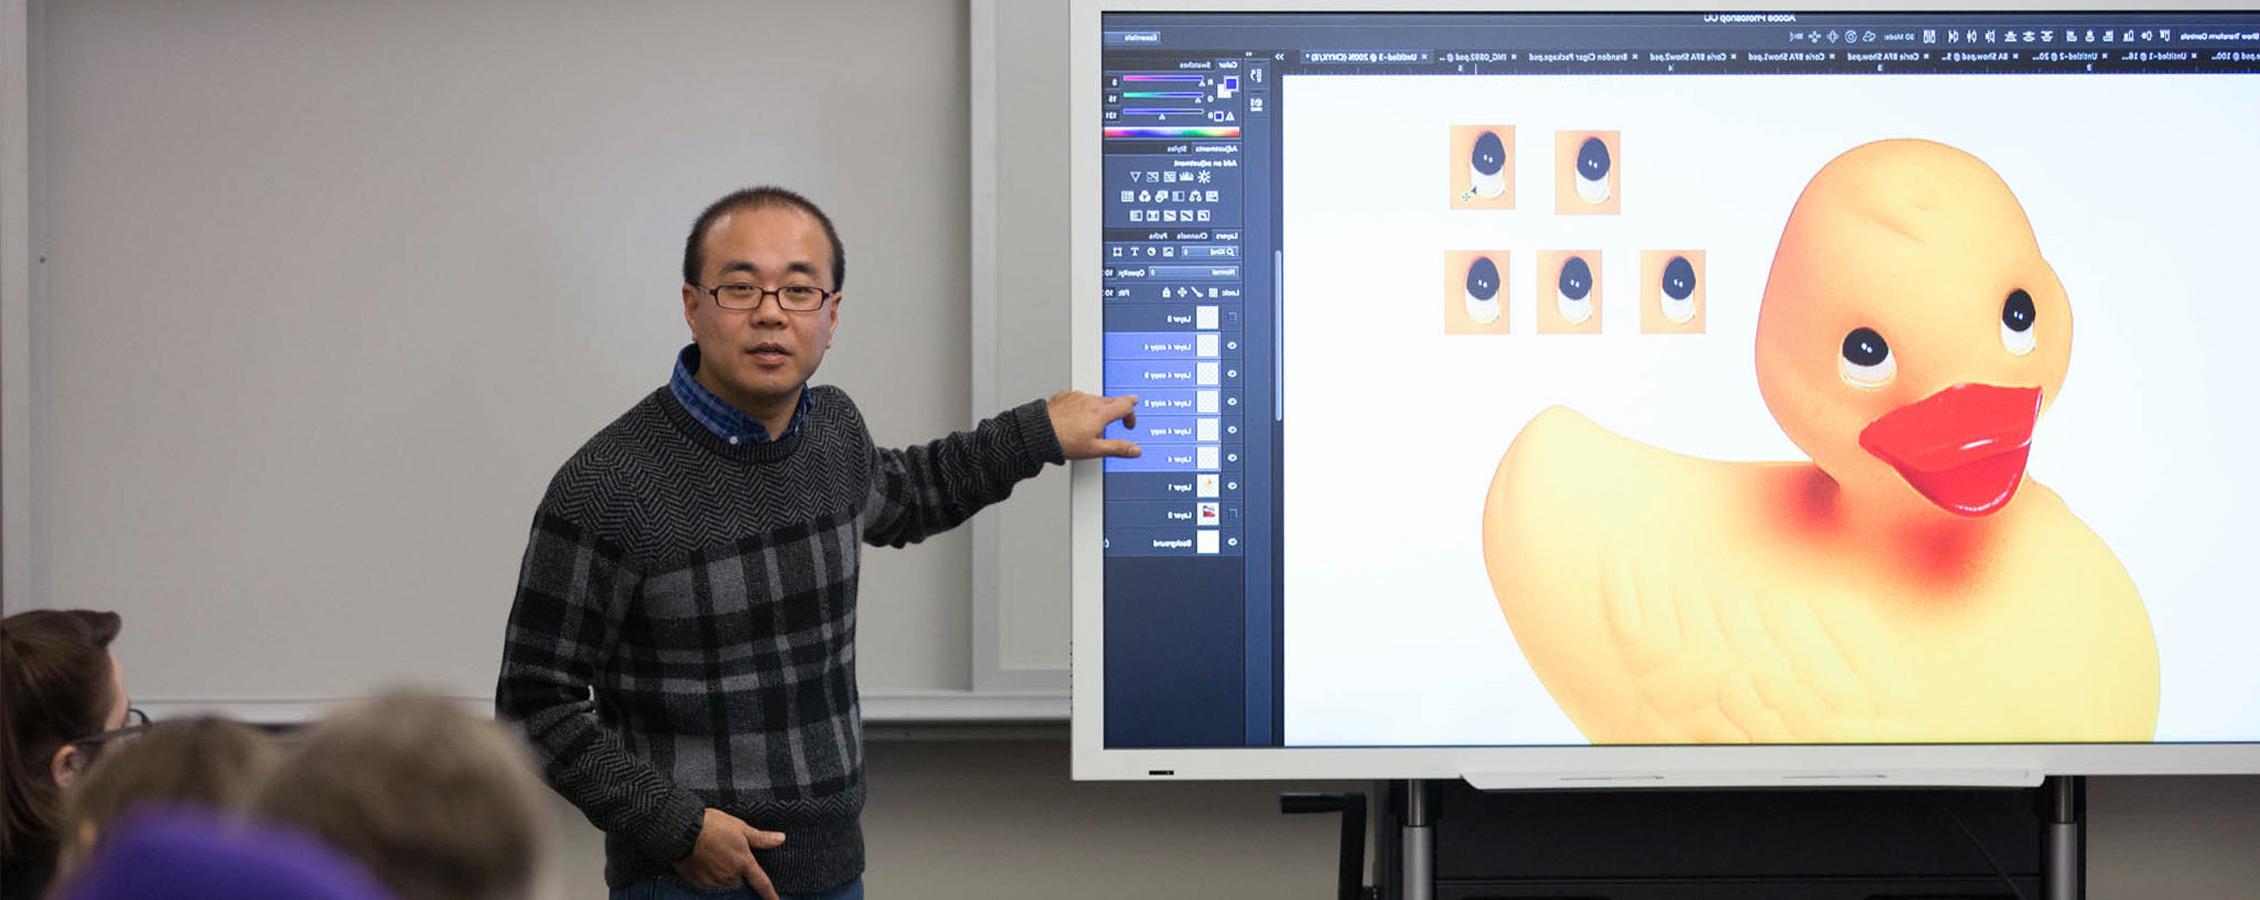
x=756, y=359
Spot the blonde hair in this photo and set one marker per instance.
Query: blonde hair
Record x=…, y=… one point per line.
x=206, y=762
x=439, y=803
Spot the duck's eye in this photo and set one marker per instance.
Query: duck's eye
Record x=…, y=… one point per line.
x=1866, y=360
x=1593, y=159
x=1490, y=153
x=1483, y=279
x=1678, y=299
x=2016, y=322
x=1574, y=291
x=1593, y=170
x=1483, y=291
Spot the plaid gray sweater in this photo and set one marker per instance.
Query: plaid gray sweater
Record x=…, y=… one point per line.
x=684, y=629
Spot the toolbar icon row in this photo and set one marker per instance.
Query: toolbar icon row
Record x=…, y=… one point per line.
x=1996, y=36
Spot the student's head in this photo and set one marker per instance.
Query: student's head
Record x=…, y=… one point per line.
x=439, y=803
x=743, y=248
x=64, y=697
x=202, y=763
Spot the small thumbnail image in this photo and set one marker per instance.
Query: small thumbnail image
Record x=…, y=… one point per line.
x=1587, y=173
x=1483, y=167
x=1671, y=291
x=1475, y=292
x=1569, y=292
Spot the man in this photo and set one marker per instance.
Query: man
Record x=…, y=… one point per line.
x=682, y=647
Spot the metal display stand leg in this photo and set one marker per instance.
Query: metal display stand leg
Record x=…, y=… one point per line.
x=1419, y=842
x=2063, y=863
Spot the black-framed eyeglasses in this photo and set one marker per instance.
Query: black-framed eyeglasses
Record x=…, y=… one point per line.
x=136, y=723
x=745, y=296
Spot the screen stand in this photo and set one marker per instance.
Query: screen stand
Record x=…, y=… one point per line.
x=2063, y=841
x=1419, y=841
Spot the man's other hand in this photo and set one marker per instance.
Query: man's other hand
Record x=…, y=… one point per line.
x=723, y=857
x=1081, y=419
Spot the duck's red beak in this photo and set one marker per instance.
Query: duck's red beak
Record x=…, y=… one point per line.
x=1963, y=448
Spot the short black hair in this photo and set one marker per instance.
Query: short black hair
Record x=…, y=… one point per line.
x=694, y=256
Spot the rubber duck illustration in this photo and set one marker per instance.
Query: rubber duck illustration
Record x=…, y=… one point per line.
x=1910, y=583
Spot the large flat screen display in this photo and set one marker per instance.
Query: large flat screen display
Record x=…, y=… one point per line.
x=1876, y=387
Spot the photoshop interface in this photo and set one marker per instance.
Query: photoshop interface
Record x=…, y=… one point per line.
x=1191, y=270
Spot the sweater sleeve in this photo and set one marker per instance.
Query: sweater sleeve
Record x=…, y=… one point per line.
x=924, y=490
x=572, y=588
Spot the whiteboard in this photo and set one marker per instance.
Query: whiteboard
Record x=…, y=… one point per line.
x=329, y=292
x=1020, y=298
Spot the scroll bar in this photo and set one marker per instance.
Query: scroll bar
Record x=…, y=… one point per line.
x=1278, y=339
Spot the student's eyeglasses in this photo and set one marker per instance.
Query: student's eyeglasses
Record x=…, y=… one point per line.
x=136, y=723
x=793, y=297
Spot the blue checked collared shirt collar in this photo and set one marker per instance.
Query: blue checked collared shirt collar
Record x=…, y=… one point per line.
x=728, y=422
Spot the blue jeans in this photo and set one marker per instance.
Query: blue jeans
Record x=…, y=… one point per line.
x=668, y=887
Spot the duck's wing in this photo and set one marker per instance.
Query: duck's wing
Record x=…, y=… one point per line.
x=1649, y=623
x=1710, y=653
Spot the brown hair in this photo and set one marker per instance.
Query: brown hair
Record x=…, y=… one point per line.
x=55, y=686
x=439, y=803
x=205, y=762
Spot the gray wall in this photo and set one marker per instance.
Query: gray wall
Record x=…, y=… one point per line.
x=2174, y=837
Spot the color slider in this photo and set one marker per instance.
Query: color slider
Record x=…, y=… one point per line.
x=1172, y=131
